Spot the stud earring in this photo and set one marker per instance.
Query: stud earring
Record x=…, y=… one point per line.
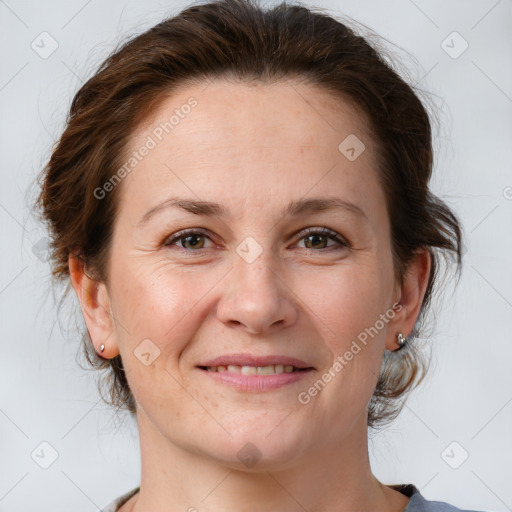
x=102, y=348
x=402, y=340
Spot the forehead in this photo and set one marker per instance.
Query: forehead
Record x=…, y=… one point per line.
x=258, y=139
x=295, y=111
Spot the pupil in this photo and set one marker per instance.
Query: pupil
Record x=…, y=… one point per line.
x=193, y=237
x=316, y=237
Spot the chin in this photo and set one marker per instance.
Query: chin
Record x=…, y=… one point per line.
x=262, y=457
x=263, y=443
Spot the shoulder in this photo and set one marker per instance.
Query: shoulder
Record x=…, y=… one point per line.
x=113, y=506
x=418, y=503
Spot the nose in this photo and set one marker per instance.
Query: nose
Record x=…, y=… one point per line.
x=256, y=299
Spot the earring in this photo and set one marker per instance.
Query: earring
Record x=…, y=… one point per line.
x=102, y=348
x=402, y=340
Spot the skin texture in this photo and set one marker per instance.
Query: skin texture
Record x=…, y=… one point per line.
x=252, y=148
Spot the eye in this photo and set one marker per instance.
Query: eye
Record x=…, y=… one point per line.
x=194, y=238
x=313, y=238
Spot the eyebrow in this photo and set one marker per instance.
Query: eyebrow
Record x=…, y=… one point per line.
x=295, y=208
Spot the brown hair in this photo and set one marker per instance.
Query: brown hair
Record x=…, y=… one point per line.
x=240, y=40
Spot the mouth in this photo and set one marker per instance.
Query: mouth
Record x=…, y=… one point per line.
x=255, y=373
x=271, y=369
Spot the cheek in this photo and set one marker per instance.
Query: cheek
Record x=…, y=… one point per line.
x=159, y=303
x=349, y=306
x=349, y=300
x=156, y=317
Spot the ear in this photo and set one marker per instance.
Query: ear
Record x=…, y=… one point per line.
x=410, y=298
x=95, y=303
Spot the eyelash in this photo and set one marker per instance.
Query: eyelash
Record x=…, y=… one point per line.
x=303, y=234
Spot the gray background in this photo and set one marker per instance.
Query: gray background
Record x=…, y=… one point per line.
x=46, y=397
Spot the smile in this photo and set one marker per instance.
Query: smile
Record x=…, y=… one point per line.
x=255, y=379
x=272, y=369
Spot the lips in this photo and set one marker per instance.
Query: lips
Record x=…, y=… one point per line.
x=251, y=373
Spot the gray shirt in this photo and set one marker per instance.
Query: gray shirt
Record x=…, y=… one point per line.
x=417, y=502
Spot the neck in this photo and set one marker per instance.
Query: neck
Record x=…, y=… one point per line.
x=324, y=479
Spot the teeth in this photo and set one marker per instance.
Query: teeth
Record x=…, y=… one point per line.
x=265, y=370
x=272, y=369
x=249, y=370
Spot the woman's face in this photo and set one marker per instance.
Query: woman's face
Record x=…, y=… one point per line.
x=246, y=170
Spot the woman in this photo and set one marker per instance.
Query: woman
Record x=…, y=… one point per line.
x=240, y=200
